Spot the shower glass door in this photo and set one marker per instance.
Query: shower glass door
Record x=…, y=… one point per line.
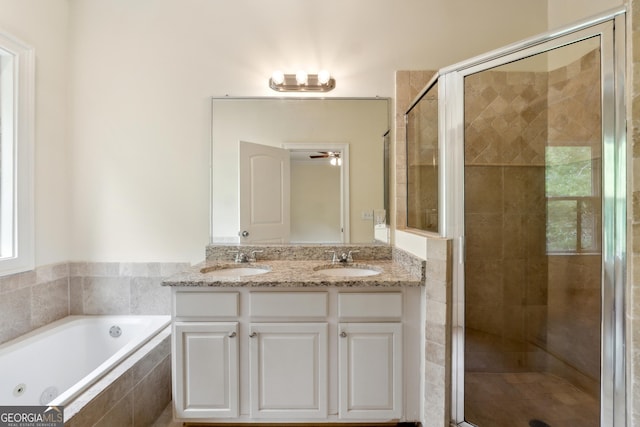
x=534, y=291
x=532, y=177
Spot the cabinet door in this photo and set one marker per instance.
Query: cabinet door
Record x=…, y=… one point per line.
x=206, y=369
x=288, y=370
x=370, y=370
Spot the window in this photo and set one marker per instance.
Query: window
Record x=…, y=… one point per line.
x=573, y=202
x=16, y=155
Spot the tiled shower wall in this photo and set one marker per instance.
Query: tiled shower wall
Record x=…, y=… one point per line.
x=539, y=116
x=408, y=85
x=574, y=291
x=523, y=304
x=33, y=299
x=514, y=323
x=422, y=162
x=437, y=375
x=505, y=265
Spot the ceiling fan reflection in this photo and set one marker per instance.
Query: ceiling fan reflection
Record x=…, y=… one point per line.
x=334, y=157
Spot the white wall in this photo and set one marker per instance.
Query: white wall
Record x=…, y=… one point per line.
x=142, y=72
x=315, y=207
x=122, y=138
x=566, y=12
x=44, y=26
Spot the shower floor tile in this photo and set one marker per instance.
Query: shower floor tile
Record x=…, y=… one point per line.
x=515, y=399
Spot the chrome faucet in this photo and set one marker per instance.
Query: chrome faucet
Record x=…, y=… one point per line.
x=253, y=258
x=241, y=257
x=350, y=256
x=344, y=257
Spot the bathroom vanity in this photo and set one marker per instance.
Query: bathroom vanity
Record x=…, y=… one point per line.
x=296, y=341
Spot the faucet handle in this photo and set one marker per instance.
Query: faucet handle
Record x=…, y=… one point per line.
x=350, y=256
x=343, y=257
x=240, y=256
x=253, y=258
x=334, y=257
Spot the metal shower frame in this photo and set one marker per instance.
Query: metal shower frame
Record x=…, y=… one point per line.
x=610, y=27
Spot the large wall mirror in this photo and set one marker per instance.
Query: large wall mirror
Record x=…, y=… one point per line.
x=298, y=170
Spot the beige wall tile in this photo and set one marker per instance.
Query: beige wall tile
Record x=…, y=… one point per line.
x=121, y=414
x=15, y=309
x=49, y=302
x=152, y=394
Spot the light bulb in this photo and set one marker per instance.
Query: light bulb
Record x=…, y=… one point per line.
x=333, y=161
x=323, y=77
x=301, y=77
x=339, y=161
x=277, y=77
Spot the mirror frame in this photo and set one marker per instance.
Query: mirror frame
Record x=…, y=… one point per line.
x=235, y=240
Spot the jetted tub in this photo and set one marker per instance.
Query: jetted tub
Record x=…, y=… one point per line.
x=55, y=363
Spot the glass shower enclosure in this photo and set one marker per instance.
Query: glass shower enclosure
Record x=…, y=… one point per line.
x=532, y=191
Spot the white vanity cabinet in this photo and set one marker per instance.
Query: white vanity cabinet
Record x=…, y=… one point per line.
x=205, y=363
x=288, y=354
x=288, y=370
x=206, y=357
x=370, y=370
x=293, y=355
x=370, y=356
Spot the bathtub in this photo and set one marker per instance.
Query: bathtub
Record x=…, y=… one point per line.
x=54, y=364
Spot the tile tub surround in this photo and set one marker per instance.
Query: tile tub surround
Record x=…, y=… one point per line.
x=135, y=393
x=35, y=298
x=293, y=266
x=120, y=287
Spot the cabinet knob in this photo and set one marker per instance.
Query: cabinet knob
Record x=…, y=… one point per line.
x=253, y=335
x=343, y=334
x=232, y=334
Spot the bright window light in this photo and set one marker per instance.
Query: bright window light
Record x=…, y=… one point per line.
x=16, y=155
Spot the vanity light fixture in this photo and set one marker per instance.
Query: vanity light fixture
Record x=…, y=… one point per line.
x=302, y=82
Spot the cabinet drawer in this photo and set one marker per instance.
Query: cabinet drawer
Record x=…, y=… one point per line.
x=375, y=305
x=289, y=304
x=206, y=304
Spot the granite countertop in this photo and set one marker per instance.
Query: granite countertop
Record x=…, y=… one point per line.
x=298, y=273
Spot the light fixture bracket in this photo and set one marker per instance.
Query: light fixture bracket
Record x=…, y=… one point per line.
x=290, y=84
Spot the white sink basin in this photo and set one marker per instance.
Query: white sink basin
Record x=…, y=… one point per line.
x=348, y=271
x=235, y=270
